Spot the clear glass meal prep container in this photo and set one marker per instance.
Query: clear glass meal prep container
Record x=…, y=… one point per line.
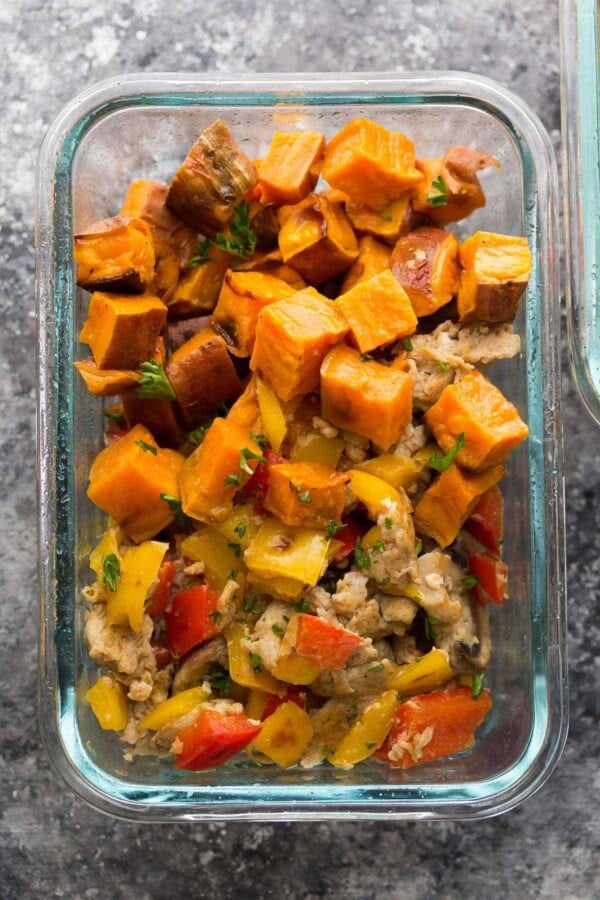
x=141, y=126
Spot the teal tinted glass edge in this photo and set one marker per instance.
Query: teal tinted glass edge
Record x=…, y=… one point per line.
x=311, y=799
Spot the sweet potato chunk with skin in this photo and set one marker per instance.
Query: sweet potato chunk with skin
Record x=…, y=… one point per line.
x=126, y=482
x=371, y=164
x=316, y=239
x=306, y=493
x=106, y=382
x=449, y=500
x=202, y=374
x=115, y=254
x=292, y=338
x=365, y=397
x=495, y=274
x=242, y=297
x=425, y=263
x=211, y=476
x=290, y=168
x=198, y=288
x=181, y=331
x=378, y=312
x=461, y=189
x=271, y=263
x=389, y=224
x=245, y=412
x=491, y=424
x=158, y=416
x=122, y=331
x=214, y=177
x=373, y=258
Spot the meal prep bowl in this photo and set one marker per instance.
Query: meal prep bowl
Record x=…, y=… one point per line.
x=142, y=126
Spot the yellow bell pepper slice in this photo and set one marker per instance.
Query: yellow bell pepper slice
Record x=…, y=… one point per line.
x=372, y=491
x=285, y=735
x=240, y=665
x=222, y=558
x=138, y=571
x=426, y=674
x=175, y=706
x=368, y=733
x=108, y=545
x=291, y=552
x=316, y=448
x=255, y=704
x=281, y=588
x=241, y=525
x=108, y=701
x=398, y=471
x=271, y=413
x=289, y=667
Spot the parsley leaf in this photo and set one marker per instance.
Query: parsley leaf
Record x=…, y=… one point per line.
x=477, y=683
x=233, y=479
x=430, y=621
x=302, y=605
x=440, y=463
x=388, y=522
x=252, y=605
x=370, y=745
x=176, y=509
x=201, y=255
x=215, y=616
x=111, y=570
x=243, y=240
x=256, y=662
x=245, y=454
x=442, y=365
x=407, y=344
x=196, y=436
x=261, y=440
x=378, y=667
x=147, y=448
x=235, y=548
x=365, y=357
x=469, y=581
x=332, y=528
x=418, y=548
x=361, y=557
x=113, y=416
x=378, y=547
x=240, y=529
x=219, y=679
x=438, y=196
x=278, y=630
x=304, y=496
x=154, y=384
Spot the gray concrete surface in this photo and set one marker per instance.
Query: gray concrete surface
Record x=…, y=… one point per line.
x=50, y=844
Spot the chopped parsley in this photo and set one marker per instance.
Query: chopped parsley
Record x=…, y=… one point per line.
x=365, y=357
x=430, y=622
x=407, y=344
x=231, y=575
x=176, y=509
x=215, y=616
x=400, y=698
x=233, y=479
x=332, y=528
x=219, y=679
x=469, y=581
x=256, y=662
x=245, y=454
x=235, y=548
x=201, y=255
x=438, y=196
x=252, y=605
x=477, y=683
x=442, y=365
x=302, y=605
x=278, y=630
x=147, y=448
x=378, y=547
x=261, y=440
x=111, y=570
x=378, y=667
x=196, y=436
x=243, y=240
x=388, y=522
x=113, y=416
x=240, y=529
x=304, y=496
x=361, y=557
x=418, y=548
x=154, y=384
x=370, y=745
x=441, y=462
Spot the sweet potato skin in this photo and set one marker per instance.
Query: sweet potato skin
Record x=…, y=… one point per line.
x=241, y=299
x=106, y=382
x=115, y=254
x=198, y=287
x=158, y=416
x=389, y=224
x=378, y=312
x=495, y=273
x=290, y=168
x=458, y=169
x=373, y=259
x=202, y=374
x=304, y=493
x=122, y=331
x=425, y=263
x=316, y=239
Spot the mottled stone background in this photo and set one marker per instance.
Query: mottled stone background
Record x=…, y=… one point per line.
x=50, y=844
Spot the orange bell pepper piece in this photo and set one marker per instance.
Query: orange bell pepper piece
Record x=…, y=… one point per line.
x=327, y=646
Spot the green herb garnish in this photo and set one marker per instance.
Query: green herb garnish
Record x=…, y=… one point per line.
x=111, y=570
x=147, y=448
x=232, y=575
x=113, y=416
x=469, y=581
x=243, y=240
x=378, y=667
x=365, y=357
x=370, y=744
x=256, y=662
x=233, y=479
x=477, y=683
x=196, y=436
x=332, y=528
x=388, y=522
x=418, y=548
x=430, y=622
x=361, y=557
x=252, y=605
x=438, y=196
x=261, y=440
x=407, y=344
x=304, y=496
x=235, y=548
x=240, y=529
x=154, y=384
x=442, y=365
x=441, y=462
x=201, y=255
x=245, y=454
x=302, y=605
x=378, y=547
x=219, y=679
x=278, y=630
x=176, y=509
x=215, y=616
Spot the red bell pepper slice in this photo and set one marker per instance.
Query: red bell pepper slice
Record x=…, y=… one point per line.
x=158, y=601
x=492, y=577
x=325, y=645
x=486, y=522
x=213, y=738
x=294, y=694
x=348, y=537
x=189, y=619
x=452, y=716
x=259, y=482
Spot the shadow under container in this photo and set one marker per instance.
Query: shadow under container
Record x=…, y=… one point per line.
x=142, y=126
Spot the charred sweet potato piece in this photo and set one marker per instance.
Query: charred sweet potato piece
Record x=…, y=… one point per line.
x=181, y=331
x=290, y=168
x=316, y=239
x=476, y=408
x=242, y=297
x=378, y=312
x=198, y=287
x=450, y=189
x=214, y=472
x=122, y=331
x=371, y=164
x=158, y=416
x=302, y=493
x=373, y=258
x=425, y=262
x=449, y=500
x=271, y=263
x=365, y=397
x=494, y=276
x=127, y=479
x=106, y=382
x=214, y=177
x=292, y=338
x=202, y=374
x=115, y=254
x=390, y=223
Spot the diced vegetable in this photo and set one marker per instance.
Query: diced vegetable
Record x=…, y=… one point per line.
x=431, y=726
x=425, y=263
x=115, y=254
x=126, y=482
x=241, y=524
x=198, y=288
x=279, y=586
x=189, y=621
x=139, y=570
x=365, y=397
x=108, y=701
x=259, y=483
x=450, y=189
x=213, y=739
x=160, y=594
x=373, y=492
x=158, y=416
x=325, y=645
x=315, y=448
x=171, y=709
x=241, y=669
x=106, y=382
x=271, y=263
x=290, y=667
x=486, y=522
x=284, y=736
x=373, y=258
x=287, y=551
x=293, y=337
x=492, y=578
x=214, y=177
x=122, y=331
x=108, y=545
x=241, y=299
x=378, y=312
x=390, y=223
x=425, y=674
x=306, y=493
x=399, y=471
x=272, y=701
x=490, y=423
x=367, y=733
x=245, y=411
x=290, y=168
x=221, y=557
x=257, y=703
x=449, y=501
x=371, y=164
x=271, y=413
x=495, y=273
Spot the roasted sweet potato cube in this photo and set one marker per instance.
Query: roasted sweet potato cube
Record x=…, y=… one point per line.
x=122, y=331
x=214, y=472
x=158, y=416
x=181, y=331
x=202, y=374
x=448, y=501
x=106, y=382
x=271, y=263
x=365, y=397
x=242, y=297
x=292, y=338
x=476, y=408
x=494, y=276
x=198, y=287
x=378, y=312
x=450, y=189
x=425, y=262
x=371, y=164
x=305, y=493
x=214, y=177
x=388, y=224
x=115, y=254
x=316, y=239
x=127, y=479
x=245, y=412
x=373, y=258
x=264, y=222
x=290, y=168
